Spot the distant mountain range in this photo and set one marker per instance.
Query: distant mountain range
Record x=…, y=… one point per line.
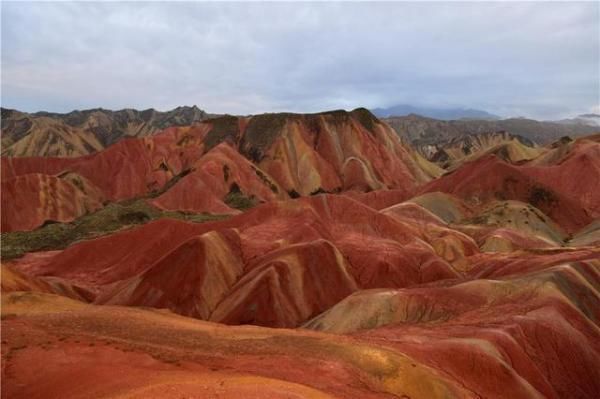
x=437, y=113
x=83, y=132
x=583, y=119
x=423, y=131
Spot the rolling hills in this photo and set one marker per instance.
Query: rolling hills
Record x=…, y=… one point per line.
x=302, y=255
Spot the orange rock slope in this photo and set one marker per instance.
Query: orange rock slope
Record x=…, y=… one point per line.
x=284, y=155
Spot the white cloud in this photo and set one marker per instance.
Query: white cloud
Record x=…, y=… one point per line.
x=536, y=59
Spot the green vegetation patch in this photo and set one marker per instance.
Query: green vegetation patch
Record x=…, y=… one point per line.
x=238, y=200
x=225, y=128
x=112, y=217
x=265, y=179
x=337, y=116
x=542, y=198
x=260, y=134
x=366, y=118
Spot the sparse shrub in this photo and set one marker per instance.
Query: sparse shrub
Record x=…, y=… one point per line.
x=238, y=200
x=135, y=217
x=540, y=197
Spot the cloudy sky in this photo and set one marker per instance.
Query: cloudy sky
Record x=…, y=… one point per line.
x=532, y=59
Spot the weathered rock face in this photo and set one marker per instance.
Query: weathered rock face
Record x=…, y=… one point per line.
x=574, y=175
x=286, y=155
x=509, y=148
x=15, y=281
x=529, y=318
x=221, y=171
x=335, y=151
x=31, y=200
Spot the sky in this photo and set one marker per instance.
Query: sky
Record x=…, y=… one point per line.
x=539, y=60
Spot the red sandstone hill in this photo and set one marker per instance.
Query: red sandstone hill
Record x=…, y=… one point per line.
x=472, y=288
x=285, y=263
x=550, y=189
x=259, y=267
x=30, y=200
x=515, y=327
x=283, y=155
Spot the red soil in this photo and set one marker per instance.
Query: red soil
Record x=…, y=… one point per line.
x=32, y=199
x=490, y=179
x=446, y=320
x=532, y=334
x=308, y=154
x=118, y=352
x=212, y=179
x=381, y=198
x=13, y=167
x=576, y=176
x=276, y=245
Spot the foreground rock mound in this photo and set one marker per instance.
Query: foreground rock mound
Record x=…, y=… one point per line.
x=277, y=265
x=516, y=328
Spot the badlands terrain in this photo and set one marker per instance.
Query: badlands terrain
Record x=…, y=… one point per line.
x=179, y=255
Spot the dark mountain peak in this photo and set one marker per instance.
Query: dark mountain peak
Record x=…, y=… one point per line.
x=107, y=126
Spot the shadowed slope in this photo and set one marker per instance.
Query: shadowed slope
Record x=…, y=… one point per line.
x=191, y=280
x=509, y=148
x=288, y=286
x=575, y=175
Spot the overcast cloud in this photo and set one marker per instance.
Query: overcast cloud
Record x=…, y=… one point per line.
x=534, y=59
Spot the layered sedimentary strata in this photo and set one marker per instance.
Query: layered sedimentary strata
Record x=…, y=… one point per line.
x=482, y=282
x=260, y=158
